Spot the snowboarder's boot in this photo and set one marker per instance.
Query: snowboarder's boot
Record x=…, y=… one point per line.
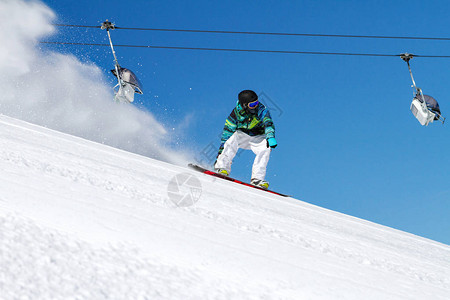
x=261, y=183
x=222, y=172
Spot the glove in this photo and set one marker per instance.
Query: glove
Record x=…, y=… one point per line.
x=271, y=142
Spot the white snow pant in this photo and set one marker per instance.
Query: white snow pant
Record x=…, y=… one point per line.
x=257, y=144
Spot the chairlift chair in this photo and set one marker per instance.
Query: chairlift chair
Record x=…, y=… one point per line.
x=128, y=83
x=425, y=108
x=420, y=110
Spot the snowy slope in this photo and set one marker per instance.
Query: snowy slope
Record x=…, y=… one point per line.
x=82, y=220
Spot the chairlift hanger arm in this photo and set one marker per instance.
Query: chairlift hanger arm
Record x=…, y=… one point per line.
x=108, y=25
x=407, y=57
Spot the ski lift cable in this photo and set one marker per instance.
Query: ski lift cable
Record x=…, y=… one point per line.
x=420, y=109
x=269, y=33
x=242, y=50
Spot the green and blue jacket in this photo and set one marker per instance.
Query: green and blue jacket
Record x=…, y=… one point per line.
x=251, y=124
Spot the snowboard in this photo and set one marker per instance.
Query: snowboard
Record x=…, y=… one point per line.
x=208, y=172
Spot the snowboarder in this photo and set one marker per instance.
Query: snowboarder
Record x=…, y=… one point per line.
x=249, y=126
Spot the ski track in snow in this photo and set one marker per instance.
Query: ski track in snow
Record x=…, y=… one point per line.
x=86, y=221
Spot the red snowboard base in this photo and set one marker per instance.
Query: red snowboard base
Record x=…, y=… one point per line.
x=206, y=171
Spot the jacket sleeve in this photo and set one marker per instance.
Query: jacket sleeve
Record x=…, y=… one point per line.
x=228, y=130
x=269, y=128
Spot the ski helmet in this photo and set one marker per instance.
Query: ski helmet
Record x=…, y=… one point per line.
x=245, y=97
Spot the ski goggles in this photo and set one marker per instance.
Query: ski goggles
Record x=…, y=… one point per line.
x=253, y=104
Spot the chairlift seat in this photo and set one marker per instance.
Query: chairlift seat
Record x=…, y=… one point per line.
x=128, y=85
x=422, y=113
x=127, y=76
x=125, y=93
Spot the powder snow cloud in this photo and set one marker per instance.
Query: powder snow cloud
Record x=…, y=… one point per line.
x=61, y=92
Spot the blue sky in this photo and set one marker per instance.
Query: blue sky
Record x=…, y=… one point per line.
x=347, y=139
